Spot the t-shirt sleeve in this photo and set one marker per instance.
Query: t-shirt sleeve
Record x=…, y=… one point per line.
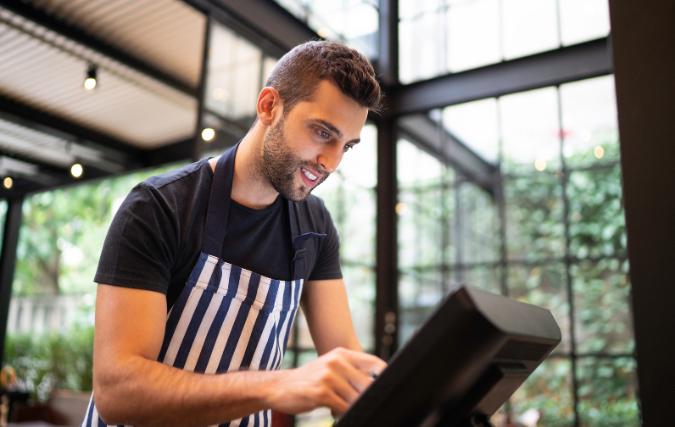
x=139, y=249
x=327, y=266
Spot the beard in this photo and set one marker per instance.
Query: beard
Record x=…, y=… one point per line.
x=279, y=165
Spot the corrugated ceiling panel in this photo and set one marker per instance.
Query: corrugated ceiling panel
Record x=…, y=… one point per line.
x=45, y=70
x=167, y=34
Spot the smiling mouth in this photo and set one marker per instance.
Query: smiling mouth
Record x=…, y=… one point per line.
x=310, y=176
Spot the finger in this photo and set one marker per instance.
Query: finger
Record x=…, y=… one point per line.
x=336, y=403
x=366, y=362
x=359, y=380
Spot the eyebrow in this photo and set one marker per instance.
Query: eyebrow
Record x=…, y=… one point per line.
x=334, y=129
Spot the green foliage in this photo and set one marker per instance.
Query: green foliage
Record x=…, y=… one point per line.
x=62, y=234
x=597, y=226
x=47, y=362
x=534, y=217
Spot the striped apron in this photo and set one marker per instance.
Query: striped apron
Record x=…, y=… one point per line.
x=227, y=318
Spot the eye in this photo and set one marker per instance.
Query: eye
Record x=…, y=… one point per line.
x=324, y=134
x=348, y=147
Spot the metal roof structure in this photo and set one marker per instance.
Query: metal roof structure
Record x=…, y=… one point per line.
x=148, y=59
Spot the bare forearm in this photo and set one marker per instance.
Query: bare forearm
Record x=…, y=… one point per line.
x=146, y=393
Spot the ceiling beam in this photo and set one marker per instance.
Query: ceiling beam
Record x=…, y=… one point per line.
x=118, y=151
x=71, y=32
x=567, y=64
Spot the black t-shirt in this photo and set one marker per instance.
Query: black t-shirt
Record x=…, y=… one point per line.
x=155, y=239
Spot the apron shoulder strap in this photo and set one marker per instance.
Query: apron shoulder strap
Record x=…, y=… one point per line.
x=219, y=204
x=299, y=240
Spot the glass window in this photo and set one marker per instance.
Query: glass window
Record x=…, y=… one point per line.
x=488, y=278
x=422, y=47
x=234, y=75
x=530, y=26
x=534, y=218
x=546, y=397
x=608, y=392
x=476, y=125
x=419, y=292
x=409, y=9
x=355, y=22
x=473, y=31
x=597, y=226
x=3, y=217
x=530, y=131
x=582, y=20
x=477, y=225
x=590, y=127
x=531, y=230
x=602, y=314
x=416, y=167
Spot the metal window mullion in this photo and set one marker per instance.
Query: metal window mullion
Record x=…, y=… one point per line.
x=198, y=144
x=10, y=242
x=568, y=264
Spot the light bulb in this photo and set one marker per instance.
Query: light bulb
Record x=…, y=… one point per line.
x=8, y=183
x=540, y=165
x=76, y=170
x=208, y=134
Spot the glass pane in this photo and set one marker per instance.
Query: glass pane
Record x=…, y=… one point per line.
x=360, y=283
x=355, y=22
x=529, y=26
x=419, y=292
x=597, y=224
x=421, y=227
x=544, y=286
x=233, y=76
x=601, y=301
x=590, y=123
x=488, y=278
x=530, y=131
x=409, y=9
x=415, y=167
x=545, y=399
x=534, y=218
x=422, y=47
x=582, y=20
x=3, y=216
x=477, y=225
x=607, y=392
x=473, y=34
x=476, y=125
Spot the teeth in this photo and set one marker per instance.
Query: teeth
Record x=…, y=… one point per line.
x=308, y=174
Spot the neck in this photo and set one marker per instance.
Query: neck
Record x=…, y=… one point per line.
x=249, y=187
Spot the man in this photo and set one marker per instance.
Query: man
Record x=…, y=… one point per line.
x=227, y=246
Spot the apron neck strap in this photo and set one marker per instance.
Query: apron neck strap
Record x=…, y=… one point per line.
x=219, y=208
x=219, y=204
x=299, y=241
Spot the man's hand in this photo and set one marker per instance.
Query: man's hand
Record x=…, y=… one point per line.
x=335, y=380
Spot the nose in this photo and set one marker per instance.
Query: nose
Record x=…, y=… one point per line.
x=330, y=158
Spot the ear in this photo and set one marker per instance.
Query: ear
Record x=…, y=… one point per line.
x=269, y=106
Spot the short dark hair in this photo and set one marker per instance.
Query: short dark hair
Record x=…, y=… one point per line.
x=299, y=72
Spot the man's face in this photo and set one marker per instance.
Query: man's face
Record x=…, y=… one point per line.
x=306, y=145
